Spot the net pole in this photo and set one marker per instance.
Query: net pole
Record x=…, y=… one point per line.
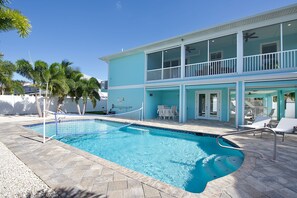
x=43, y=120
x=56, y=120
x=142, y=111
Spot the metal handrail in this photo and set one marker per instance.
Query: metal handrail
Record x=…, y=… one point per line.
x=248, y=131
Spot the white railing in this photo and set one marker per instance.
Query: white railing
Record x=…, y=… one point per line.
x=289, y=58
x=155, y=74
x=171, y=72
x=225, y=66
x=168, y=73
x=270, y=61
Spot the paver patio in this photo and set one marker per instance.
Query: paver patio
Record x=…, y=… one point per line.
x=62, y=166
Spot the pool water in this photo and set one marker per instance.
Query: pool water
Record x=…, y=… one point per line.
x=184, y=160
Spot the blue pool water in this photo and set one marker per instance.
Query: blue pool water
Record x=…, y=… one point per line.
x=184, y=160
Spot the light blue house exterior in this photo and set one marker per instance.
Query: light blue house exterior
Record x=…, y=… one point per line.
x=225, y=73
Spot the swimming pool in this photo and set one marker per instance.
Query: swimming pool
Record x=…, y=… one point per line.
x=184, y=160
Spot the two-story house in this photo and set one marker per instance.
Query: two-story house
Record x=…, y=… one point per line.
x=224, y=73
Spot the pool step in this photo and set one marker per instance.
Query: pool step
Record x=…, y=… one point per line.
x=209, y=172
x=217, y=166
x=136, y=130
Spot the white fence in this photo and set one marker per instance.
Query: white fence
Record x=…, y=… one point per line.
x=20, y=105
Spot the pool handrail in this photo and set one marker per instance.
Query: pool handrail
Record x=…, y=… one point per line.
x=248, y=131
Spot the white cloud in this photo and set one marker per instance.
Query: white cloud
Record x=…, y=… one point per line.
x=119, y=5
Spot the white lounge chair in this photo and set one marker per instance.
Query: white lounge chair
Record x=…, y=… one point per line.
x=285, y=125
x=259, y=122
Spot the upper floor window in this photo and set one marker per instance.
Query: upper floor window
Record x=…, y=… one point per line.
x=290, y=35
x=164, y=64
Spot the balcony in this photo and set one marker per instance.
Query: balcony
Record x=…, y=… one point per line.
x=271, y=48
x=225, y=66
x=270, y=61
x=164, y=73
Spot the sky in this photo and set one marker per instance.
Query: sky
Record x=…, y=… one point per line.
x=82, y=31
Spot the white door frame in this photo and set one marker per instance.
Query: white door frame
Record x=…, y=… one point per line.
x=207, y=110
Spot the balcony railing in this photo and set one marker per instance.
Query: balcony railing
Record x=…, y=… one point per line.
x=257, y=63
x=270, y=61
x=171, y=72
x=168, y=73
x=225, y=66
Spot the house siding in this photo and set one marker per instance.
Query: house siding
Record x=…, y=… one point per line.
x=127, y=70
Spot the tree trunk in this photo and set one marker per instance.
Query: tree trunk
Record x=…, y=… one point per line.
x=38, y=105
x=48, y=104
x=78, y=108
x=84, y=108
x=59, y=104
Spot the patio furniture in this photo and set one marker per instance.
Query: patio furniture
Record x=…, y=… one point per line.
x=285, y=125
x=167, y=113
x=160, y=110
x=259, y=122
x=271, y=113
x=174, y=111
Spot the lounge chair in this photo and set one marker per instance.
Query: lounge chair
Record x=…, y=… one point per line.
x=259, y=122
x=285, y=125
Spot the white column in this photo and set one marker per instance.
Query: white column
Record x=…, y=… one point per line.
x=240, y=89
x=239, y=52
x=162, y=71
x=184, y=104
x=208, y=56
x=182, y=60
x=180, y=112
x=281, y=45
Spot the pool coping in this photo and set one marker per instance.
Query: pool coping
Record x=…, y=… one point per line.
x=212, y=188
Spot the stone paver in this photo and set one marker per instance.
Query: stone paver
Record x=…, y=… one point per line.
x=62, y=166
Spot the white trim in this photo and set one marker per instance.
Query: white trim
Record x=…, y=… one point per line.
x=180, y=113
x=184, y=106
x=258, y=78
x=127, y=87
x=239, y=52
x=232, y=79
x=243, y=102
x=145, y=67
x=182, y=61
x=228, y=105
x=144, y=102
x=237, y=99
x=207, y=108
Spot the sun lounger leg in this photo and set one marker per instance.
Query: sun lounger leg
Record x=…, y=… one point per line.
x=283, y=137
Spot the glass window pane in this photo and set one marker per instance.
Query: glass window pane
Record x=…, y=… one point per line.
x=224, y=47
x=290, y=35
x=172, y=57
x=254, y=39
x=154, y=61
x=196, y=52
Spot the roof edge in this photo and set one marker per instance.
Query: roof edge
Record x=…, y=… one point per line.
x=142, y=47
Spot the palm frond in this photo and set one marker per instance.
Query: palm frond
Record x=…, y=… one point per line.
x=14, y=20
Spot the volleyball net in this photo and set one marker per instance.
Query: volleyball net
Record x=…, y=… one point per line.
x=62, y=124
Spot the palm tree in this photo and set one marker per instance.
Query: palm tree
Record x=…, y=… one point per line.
x=11, y=19
x=34, y=73
x=67, y=85
x=88, y=89
x=74, y=83
x=56, y=83
x=7, y=85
